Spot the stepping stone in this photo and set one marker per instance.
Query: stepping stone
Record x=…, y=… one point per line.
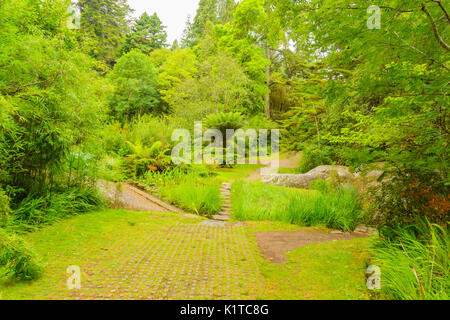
x=213, y=223
x=221, y=217
x=225, y=214
x=366, y=230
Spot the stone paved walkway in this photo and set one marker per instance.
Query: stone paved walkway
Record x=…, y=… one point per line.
x=180, y=261
x=225, y=213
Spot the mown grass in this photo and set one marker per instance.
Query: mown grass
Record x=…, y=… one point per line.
x=320, y=271
x=338, y=209
x=289, y=171
x=79, y=240
x=238, y=171
x=18, y=260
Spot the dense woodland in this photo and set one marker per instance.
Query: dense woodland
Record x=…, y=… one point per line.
x=101, y=102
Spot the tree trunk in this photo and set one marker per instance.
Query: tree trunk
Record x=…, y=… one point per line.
x=267, y=97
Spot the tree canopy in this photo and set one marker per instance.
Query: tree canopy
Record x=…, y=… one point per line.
x=146, y=35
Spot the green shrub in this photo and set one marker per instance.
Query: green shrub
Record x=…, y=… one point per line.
x=415, y=268
x=148, y=130
x=114, y=137
x=175, y=175
x=135, y=83
x=355, y=156
x=314, y=156
x=143, y=159
x=410, y=197
x=259, y=121
x=17, y=260
x=339, y=209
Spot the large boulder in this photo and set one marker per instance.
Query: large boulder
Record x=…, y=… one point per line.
x=303, y=180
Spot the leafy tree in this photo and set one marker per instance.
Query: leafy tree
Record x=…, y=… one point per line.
x=179, y=66
x=103, y=28
x=224, y=121
x=255, y=19
x=249, y=55
x=159, y=57
x=207, y=11
x=135, y=81
x=146, y=35
x=385, y=92
x=214, y=11
x=188, y=38
x=225, y=10
x=49, y=96
x=175, y=45
x=220, y=86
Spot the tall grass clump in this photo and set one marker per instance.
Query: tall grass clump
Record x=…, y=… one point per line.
x=194, y=189
x=335, y=208
x=202, y=198
x=415, y=267
x=17, y=260
x=35, y=211
x=339, y=209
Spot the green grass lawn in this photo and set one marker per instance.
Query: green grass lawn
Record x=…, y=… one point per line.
x=138, y=255
x=332, y=270
x=239, y=171
x=320, y=271
x=114, y=247
x=289, y=171
x=78, y=241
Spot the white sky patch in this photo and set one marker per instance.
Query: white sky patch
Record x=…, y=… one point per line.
x=173, y=13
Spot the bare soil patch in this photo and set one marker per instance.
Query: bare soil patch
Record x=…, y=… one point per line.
x=275, y=244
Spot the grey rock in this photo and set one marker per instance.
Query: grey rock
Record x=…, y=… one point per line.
x=304, y=180
x=213, y=223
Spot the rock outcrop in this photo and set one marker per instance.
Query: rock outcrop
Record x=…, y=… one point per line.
x=304, y=180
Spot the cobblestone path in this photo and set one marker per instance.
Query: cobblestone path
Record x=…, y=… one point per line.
x=225, y=213
x=178, y=261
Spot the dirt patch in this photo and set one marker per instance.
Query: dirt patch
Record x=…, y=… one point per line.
x=291, y=162
x=275, y=244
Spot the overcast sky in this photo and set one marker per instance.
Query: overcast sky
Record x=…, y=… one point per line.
x=173, y=13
